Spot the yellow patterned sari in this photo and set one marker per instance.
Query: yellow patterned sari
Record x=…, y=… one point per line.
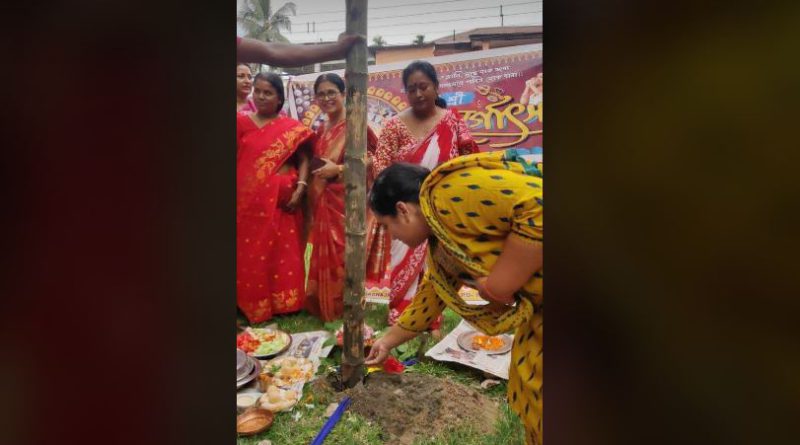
x=472, y=204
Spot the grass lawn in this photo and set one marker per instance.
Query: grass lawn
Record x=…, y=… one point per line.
x=300, y=426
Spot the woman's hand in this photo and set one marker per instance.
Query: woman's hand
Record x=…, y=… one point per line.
x=380, y=349
x=327, y=171
x=494, y=307
x=496, y=302
x=378, y=353
x=297, y=198
x=480, y=286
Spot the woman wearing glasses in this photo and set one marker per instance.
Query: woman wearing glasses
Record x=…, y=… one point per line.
x=326, y=201
x=425, y=134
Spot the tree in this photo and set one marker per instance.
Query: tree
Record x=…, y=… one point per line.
x=379, y=41
x=260, y=22
x=355, y=199
x=419, y=40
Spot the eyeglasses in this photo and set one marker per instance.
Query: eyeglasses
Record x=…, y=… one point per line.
x=326, y=95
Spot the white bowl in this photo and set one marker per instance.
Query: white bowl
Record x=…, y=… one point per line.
x=247, y=400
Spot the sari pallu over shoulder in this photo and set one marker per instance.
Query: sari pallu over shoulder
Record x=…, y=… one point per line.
x=324, y=291
x=449, y=139
x=270, y=273
x=261, y=152
x=326, y=231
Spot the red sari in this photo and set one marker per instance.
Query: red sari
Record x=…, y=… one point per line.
x=449, y=139
x=324, y=296
x=269, y=256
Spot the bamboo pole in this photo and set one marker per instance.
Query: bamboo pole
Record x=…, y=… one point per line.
x=355, y=196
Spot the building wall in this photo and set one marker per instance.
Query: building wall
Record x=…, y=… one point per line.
x=448, y=51
x=504, y=43
x=477, y=45
x=388, y=55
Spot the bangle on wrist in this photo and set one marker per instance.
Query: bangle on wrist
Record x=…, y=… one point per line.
x=304, y=183
x=493, y=296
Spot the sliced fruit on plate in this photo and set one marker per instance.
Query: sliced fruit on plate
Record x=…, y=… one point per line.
x=262, y=341
x=487, y=342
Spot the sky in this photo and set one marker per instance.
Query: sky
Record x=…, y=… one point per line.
x=399, y=21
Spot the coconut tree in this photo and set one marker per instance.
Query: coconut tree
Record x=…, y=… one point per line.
x=419, y=40
x=379, y=41
x=261, y=22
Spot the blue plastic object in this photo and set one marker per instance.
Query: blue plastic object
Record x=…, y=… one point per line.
x=332, y=421
x=410, y=362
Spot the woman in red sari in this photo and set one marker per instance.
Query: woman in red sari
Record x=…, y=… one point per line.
x=326, y=199
x=426, y=134
x=272, y=168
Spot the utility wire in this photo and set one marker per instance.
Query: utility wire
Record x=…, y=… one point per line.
x=425, y=32
x=393, y=6
x=447, y=33
x=430, y=13
x=441, y=21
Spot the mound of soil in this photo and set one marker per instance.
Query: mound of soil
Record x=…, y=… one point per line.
x=410, y=406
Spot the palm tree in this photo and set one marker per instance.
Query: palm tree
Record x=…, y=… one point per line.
x=379, y=41
x=419, y=40
x=260, y=22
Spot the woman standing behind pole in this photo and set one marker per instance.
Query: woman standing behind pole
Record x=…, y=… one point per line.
x=326, y=200
x=482, y=216
x=244, y=86
x=271, y=176
x=425, y=134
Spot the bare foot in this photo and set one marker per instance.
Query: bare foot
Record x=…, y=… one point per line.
x=436, y=334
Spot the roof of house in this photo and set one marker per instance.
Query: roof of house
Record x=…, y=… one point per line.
x=404, y=46
x=466, y=36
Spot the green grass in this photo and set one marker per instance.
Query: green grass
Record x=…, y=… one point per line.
x=508, y=431
x=352, y=429
x=300, y=426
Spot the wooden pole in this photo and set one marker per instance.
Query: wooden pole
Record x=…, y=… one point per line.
x=355, y=179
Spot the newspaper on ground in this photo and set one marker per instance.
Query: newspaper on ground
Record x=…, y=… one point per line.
x=310, y=345
x=448, y=350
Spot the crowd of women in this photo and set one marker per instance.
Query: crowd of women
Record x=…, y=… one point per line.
x=441, y=216
x=291, y=192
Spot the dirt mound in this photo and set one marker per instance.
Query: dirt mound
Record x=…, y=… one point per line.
x=410, y=406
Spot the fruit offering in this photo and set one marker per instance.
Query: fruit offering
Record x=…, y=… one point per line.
x=487, y=342
x=262, y=341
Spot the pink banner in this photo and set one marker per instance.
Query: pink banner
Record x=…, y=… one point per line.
x=499, y=97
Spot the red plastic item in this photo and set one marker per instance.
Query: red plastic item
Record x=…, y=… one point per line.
x=393, y=366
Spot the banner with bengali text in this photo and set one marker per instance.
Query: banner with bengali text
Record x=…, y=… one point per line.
x=500, y=97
